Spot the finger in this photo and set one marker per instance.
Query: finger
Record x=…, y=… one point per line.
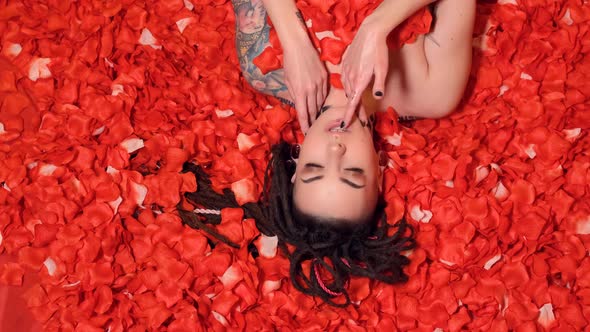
x=319, y=100
x=348, y=88
x=301, y=107
x=325, y=91
x=381, y=69
x=312, y=108
x=351, y=108
x=363, y=115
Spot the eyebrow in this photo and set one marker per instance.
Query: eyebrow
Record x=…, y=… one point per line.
x=350, y=183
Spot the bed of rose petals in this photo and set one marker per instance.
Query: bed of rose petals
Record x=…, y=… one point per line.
x=102, y=102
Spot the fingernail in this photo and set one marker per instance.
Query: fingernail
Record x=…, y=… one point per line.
x=378, y=93
x=342, y=124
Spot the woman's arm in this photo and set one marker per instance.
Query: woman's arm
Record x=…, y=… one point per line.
x=252, y=37
x=288, y=23
x=368, y=56
x=305, y=74
x=392, y=13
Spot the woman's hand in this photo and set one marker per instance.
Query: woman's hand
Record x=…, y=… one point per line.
x=366, y=57
x=307, y=80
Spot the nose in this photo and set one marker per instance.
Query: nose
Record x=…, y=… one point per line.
x=336, y=148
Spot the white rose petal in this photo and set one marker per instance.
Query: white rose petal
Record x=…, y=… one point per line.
x=224, y=113
x=32, y=165
x=572, y=134
x=47, y=170
x=488, y=265
x=98, y=131
x=115, y=204
x=14, y=49
x=567, y=17
x=245, y=143
x=140, y=191
x=496, y=168
x=74, y=284
x=546, y=316
x=109, y=63
x=270, y=286
x=110, y=170
x=583, y=226
x=530, y=151
x=268, y=246
x=183, y=23
x=132, y=144
x=503, y=89
x=38, y=69
x=450, y=184
x=505, y=2
x=447, y=263
x=500, y=191
x=2, y=131
x=230, y=277
x=117, y=89
x=220, y=318
x=6, y=187
x=148, y=39
x=395, y=139
x=50, y=265
x=420, y=215
x=189, y=5
x=526, y=76
x=481, y=173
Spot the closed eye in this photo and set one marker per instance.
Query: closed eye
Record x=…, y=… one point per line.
x=313, y=165
x=355, y=170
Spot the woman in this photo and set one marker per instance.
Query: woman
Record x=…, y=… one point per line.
x=324, y=199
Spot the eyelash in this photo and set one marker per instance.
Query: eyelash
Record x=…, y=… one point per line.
x=356, y=170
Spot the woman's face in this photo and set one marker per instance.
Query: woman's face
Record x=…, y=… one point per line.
x=337, y=174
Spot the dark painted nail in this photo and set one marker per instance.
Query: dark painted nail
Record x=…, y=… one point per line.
x=342, y=124
x=378, y=93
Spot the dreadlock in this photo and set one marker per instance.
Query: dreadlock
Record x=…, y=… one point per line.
x=338, y=247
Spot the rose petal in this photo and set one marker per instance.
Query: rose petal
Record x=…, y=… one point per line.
x=268, y=246
x=183, y=23
x=148, y=39
x=188, y=5
x=420, y=215
x=132, y=144
x=546, y=316
x=50, y=265
x=38, y=69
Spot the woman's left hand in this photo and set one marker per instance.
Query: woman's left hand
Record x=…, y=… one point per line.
x=366, y=57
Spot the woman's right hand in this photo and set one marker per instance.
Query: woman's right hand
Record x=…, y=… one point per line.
x=306, y=78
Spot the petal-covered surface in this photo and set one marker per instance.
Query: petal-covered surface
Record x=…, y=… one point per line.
x=101, y=103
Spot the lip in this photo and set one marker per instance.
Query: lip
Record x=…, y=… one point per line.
x=335, y=124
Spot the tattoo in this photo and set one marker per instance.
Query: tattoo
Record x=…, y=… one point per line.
x=252, y=37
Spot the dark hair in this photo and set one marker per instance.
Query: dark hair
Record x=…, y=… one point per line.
x=341, y=248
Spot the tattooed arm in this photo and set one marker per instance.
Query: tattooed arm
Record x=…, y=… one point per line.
x=252, y=37
x=303, y=80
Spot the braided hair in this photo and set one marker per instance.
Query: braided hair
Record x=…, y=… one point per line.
x=338, y=248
